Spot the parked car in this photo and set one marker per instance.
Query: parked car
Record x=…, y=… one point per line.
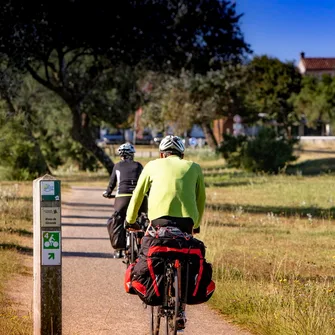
x=115, y=138
x=145, y=139
x=158, y=138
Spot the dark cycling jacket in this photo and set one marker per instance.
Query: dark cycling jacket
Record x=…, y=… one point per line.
x=125, y=174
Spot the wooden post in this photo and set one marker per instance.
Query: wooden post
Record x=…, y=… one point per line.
x=47, y=256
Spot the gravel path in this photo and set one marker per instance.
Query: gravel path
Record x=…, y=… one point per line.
x=94, y=300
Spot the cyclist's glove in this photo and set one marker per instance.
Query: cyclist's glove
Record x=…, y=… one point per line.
x=196, y=230
x=132, y=226
x=106, y=194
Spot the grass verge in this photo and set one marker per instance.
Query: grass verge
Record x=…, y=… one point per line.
x=271, y=242
x=15, y=240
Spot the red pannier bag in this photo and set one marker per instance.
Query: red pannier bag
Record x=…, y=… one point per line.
x=127, y=279
x=147, y=278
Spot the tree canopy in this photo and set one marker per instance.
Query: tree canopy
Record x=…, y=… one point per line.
x=82, y=52
x=197, y=99
x=316, y=100
x=271, y=84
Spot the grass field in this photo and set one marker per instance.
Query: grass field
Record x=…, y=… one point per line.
x=271, y=240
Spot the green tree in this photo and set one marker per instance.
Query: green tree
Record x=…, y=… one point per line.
x=17, y=150
x=72, y=48
x=19, y=146
x=316, y=100
x=198, y=99
x=44, y=123
x=50, y=124
x=271, y=84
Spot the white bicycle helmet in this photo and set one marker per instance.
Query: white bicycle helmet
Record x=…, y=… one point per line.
x=173, y=143
x=126, y=149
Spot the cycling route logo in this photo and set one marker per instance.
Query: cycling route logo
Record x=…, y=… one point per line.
x=48, y=188
x=51, y=240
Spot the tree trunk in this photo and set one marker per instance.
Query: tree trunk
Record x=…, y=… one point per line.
x=208, y=131
x=82, y=133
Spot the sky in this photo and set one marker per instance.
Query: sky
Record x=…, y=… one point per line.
x=285, y=28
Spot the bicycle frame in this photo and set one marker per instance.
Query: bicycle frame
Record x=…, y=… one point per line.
x=133, y=245
x=133, y=240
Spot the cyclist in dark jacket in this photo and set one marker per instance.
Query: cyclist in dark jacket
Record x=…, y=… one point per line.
x=125, y=175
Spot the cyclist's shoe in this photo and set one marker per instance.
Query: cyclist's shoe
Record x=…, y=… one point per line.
x=118, y=254
x=181, y=321
x=132, y=226
x=180, y=324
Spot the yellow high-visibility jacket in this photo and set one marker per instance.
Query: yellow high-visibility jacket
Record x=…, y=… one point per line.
x=176, y=187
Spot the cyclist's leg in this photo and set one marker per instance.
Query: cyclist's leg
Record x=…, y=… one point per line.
x=121, y=205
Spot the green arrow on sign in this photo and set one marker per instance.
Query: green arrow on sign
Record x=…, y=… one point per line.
x=51, y=255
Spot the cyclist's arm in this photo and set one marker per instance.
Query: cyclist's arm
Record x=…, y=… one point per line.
x=200, y=196
x=112, y=181
x=142, y=187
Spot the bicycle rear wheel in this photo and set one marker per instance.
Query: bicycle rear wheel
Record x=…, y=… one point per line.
x=129, y=249
x=174, y=303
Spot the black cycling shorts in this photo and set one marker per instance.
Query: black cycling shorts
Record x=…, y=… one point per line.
x=184, y=224
x=121, y=205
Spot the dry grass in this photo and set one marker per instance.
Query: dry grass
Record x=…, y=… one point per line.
x=15, y=240
x=271, y=242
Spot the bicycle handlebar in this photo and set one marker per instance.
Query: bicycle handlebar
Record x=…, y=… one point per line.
x=143, y=221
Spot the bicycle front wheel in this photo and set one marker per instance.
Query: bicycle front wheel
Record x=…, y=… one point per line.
x=132, y=247
x=155, y=320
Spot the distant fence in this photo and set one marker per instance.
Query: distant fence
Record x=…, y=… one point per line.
x=150, y=154
x=317, y=140
x=143, y=151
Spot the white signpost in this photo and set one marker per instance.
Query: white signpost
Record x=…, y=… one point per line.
x=47, y=257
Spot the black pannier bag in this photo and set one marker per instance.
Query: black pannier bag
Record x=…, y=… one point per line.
x=116, y=231
x=147, y=278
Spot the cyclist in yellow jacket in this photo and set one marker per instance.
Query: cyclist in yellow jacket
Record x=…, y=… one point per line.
x=176, y=190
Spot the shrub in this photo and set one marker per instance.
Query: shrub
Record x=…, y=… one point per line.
x=231, y=148
x=265, y=152
x=19, y=157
